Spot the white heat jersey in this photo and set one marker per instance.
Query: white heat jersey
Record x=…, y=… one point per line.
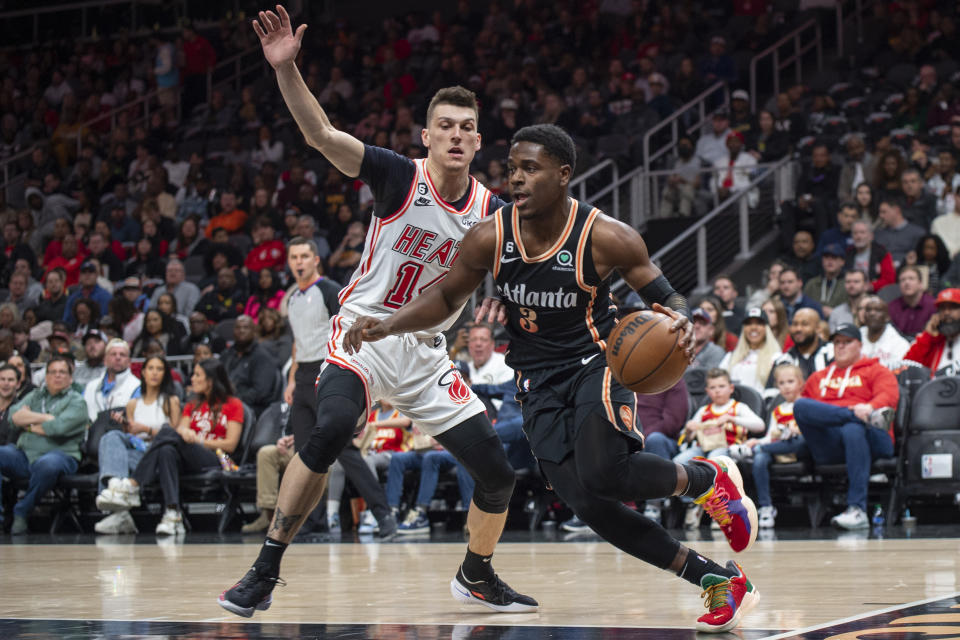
x=411, y=250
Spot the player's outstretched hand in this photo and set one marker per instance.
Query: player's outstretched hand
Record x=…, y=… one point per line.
x=681, y=324
x=280, y=44
x=491, y=310
x=364, y=329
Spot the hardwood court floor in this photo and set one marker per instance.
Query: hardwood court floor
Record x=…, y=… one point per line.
x=591, y=584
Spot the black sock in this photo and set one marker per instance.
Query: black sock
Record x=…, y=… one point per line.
x=477, y=567
x=696, y=566
x=700, y=477
x=271, y=553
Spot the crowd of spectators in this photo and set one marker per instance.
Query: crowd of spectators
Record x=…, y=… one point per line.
x=168, y=236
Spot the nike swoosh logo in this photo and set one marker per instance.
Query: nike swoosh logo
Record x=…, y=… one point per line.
x=468, y=581
x=504, y=259
x=587, y=360
x=271, y=543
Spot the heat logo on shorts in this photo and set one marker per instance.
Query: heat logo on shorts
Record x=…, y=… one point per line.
x=457, y=389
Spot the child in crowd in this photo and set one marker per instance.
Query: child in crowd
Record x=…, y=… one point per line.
x=782, y=443
x=715, y=427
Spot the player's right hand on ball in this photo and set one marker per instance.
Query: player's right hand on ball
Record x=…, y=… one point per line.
x=364, y=329
x=280, y=44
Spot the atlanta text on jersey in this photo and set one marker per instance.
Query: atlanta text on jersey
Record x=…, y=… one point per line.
x=518, y=294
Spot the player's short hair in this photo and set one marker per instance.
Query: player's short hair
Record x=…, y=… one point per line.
x=300, y=240
x=717, y=372
x=784, y=368
x=457, y=96
x=554, y=140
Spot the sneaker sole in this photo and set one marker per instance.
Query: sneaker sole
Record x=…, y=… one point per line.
x=246, y=612
x=734, y=474
x=462, y=595
x=749, y=601
x=576, y=529
x=409, y=532
x=111, y=506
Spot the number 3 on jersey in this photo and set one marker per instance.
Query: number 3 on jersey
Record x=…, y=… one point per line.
x=526, y=320
x=402, y=290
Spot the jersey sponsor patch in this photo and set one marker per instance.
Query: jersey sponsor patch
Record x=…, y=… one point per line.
x=564, y=261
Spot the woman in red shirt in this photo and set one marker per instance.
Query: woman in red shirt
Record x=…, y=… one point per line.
x=212, y=420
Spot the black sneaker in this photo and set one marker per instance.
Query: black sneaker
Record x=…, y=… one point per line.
x=388, y=527
x=252, y=593
x=493, y=593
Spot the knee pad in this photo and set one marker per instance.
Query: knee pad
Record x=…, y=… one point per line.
x=477, y=447
x=334, y=427
x=494, y=482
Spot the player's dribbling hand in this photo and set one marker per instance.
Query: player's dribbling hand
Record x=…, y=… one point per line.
x=681, y=324
x=364, y=329
x=491, y=310
x=280, y=44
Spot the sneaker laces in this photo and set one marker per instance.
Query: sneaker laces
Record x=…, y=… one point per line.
x=716, y=507
x=412, y=516
x=254, y=576
x=715, y=596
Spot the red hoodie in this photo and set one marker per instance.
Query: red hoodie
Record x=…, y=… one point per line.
x=866, y=380
x=927, y=350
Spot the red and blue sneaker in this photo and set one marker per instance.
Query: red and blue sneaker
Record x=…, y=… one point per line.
x=728, y=504
x=727, y=599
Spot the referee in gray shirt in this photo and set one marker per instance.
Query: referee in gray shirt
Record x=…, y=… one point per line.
x=309, y=309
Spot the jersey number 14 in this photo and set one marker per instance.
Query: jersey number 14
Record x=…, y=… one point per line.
x=408, y=274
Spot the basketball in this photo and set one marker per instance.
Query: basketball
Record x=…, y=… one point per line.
x=644, y=355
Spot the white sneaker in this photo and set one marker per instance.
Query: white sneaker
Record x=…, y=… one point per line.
x=652, y=510
x=368, y=524
x=131, y=492
x=118, y=522
x=120, y=495
x=171, y=524
x=767, y=516
x=692, y=519
x=851, y=519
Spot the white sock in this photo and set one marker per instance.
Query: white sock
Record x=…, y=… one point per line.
x=333, y=507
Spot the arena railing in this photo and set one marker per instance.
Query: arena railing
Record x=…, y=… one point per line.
x=692, y=117
x=850, y=14
x=793, y=57
x=733, y=230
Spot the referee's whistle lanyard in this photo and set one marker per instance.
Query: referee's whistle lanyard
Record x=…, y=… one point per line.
x=843, y=383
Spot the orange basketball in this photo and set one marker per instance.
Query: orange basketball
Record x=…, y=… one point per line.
x=643, y=354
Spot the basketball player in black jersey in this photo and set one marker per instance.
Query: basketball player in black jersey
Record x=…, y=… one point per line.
x=552, y=258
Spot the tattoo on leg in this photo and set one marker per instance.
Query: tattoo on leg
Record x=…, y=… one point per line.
x=282, y=522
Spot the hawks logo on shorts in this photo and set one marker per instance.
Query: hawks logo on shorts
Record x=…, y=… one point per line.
x=457, y=389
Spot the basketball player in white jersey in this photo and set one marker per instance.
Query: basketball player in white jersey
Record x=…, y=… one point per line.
x=423, y=208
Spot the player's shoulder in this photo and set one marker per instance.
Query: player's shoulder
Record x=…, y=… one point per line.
x=495, y=203
x=382, y=157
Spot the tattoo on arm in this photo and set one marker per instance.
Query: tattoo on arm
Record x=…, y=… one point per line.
x=284, y=523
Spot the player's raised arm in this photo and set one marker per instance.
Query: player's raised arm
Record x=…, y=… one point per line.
x=280, y=47
x=439, y=301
